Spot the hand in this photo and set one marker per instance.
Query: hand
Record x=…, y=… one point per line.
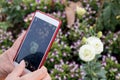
x=6, y=59
x=40, y=74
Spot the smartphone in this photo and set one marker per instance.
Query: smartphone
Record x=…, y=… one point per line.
x=37, y=41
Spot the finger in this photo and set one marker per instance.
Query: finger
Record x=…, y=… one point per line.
x=38, y=75
x=19, y=69
x=16, y=44
x=47, y=77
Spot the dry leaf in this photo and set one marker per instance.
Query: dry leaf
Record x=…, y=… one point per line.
x=79, y=4
x=70, y=13
x=74, y=5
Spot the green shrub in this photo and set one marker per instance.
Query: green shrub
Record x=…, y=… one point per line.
x=108, y=16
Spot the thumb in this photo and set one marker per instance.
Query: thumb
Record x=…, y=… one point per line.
x=19, y=69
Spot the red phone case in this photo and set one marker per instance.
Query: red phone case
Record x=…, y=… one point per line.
x=50, y=44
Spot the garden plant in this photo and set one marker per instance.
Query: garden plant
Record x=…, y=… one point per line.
x=87, y=46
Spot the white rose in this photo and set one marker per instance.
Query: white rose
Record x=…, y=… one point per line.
x=87, y=53
x=96, y=43
x=80, y=11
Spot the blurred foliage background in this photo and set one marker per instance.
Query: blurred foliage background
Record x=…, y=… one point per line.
x=63, y=62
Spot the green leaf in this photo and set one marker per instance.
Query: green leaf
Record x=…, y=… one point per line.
x=1, y=51
x=18, y=7
x=107, y=13
x=4, y=25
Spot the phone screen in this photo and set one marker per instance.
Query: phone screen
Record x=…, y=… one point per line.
x=35, y=43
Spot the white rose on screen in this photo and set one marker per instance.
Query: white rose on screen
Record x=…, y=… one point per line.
x=96, y=43
x=87, y=53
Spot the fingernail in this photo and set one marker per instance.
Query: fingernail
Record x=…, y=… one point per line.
x=22, y=62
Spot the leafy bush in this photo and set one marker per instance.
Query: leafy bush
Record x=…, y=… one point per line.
x=108, y=19
x=112, y=67
x=63, y=61
x=6, y=40
x=112, y=41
